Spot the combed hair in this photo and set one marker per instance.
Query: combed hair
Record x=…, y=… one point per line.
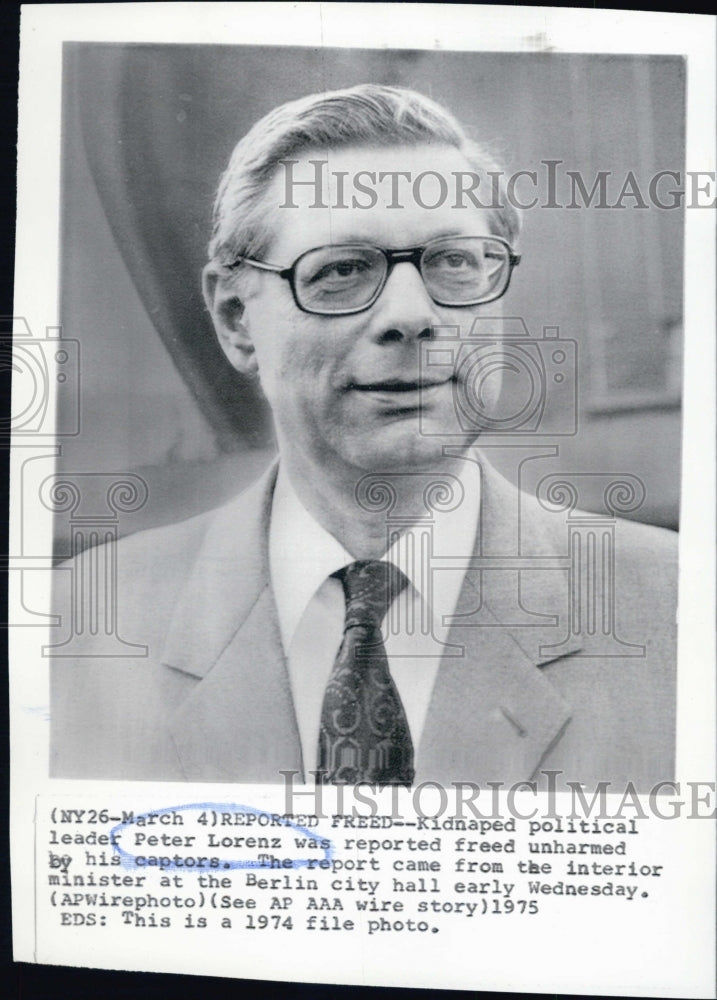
x=365, y=115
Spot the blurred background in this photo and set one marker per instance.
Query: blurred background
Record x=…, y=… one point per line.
x=147, y=131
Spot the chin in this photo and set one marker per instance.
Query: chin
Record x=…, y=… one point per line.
x=405, y=453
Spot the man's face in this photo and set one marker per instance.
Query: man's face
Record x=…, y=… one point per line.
x=345, y=390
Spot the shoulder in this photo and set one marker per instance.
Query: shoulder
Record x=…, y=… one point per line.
x=173, y=548
x=148, y=570
x=640, y=538
x=547, y=520
x=636, y=562
x=646, y=555
x=165, y=552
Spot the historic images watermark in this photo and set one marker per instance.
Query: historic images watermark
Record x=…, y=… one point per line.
x=468, y=805
x=550, y=186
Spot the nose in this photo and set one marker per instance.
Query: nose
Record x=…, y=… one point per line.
x=404, y=310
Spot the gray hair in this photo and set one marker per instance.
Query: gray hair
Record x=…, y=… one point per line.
x=369, y=114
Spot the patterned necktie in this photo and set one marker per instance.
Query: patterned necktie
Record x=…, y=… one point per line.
x=364, y=733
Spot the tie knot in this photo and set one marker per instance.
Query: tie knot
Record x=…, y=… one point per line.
x=370, y=586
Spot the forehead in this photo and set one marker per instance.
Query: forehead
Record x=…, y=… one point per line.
x=394, y=196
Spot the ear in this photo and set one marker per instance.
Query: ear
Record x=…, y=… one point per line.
x=227, y=312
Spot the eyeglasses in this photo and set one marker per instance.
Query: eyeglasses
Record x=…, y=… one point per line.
x=348, y=278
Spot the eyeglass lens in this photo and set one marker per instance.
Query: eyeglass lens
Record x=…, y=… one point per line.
x=455, y=271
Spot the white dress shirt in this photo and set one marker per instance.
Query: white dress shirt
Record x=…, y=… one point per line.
x=310, y=602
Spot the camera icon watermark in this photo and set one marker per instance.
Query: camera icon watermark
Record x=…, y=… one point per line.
x=45, y=380
x=504, y=382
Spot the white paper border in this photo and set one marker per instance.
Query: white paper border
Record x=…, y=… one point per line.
x=45, y=27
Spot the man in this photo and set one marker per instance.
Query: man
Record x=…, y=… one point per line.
x=364, y=612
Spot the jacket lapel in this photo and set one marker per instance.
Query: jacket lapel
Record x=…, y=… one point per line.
x=493, y=714
x=238, y=720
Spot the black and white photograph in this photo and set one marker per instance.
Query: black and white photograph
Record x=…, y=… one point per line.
x=525, y=629
x=354, y=463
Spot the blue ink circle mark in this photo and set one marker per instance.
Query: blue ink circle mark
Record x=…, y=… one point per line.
x=128, y=860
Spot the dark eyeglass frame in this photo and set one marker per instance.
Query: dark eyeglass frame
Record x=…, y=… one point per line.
x=404, y=255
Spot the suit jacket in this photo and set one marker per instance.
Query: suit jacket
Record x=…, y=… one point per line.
x=545, y=670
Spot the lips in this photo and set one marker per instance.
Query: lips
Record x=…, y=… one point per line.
x=398, y=385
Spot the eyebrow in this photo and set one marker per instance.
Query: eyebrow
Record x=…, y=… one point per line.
x=351, y=239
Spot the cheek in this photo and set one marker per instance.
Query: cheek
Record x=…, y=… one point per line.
x=298, y=354
x=308, y=355
x=295, y=365
x=300, y=372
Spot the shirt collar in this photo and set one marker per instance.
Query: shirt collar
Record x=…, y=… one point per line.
x=302, y=554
